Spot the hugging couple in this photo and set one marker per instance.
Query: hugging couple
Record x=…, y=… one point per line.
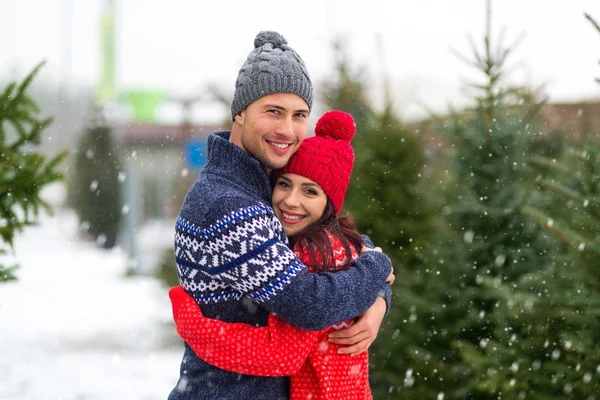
x=279, y=294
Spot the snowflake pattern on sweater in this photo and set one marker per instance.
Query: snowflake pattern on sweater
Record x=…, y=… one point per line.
x=279, y=349
x=246, y=249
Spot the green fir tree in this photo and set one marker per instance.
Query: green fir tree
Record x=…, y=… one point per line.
x=553, y=315
x=385, y=195
x=24, y=172
x=346, y=89
x=453, y=341
x=389, y=198
x=95, y=189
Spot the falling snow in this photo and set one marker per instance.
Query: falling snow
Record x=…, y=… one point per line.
x=72, y=327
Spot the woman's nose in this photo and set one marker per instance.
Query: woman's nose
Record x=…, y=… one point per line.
x=292, y=200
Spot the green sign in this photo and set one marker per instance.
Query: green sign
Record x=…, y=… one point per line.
x=144, y=104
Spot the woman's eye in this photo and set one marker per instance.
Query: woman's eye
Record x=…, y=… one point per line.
x=283, y=184
x=311, y=192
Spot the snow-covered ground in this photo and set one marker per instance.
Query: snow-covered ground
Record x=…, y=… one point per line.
x=74, y=328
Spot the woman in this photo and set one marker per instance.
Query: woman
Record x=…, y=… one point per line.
x=307, y=197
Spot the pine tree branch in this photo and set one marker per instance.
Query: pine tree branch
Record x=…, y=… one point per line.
x=561, y=189
x=589, y=18
x=541, y=161
x=25, y=172
x=5, y=98
x=566, y=234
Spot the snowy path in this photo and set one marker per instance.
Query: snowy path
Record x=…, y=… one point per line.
x=72, y=328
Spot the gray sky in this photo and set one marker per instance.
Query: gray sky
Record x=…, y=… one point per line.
x=179, y=46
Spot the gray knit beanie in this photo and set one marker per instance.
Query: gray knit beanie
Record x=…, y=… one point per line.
x=272, y=67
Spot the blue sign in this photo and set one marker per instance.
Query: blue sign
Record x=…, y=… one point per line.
x=195, y=153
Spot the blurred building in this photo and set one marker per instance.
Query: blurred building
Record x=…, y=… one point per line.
x=162, y=161
x=577, y=121
x=573, y=121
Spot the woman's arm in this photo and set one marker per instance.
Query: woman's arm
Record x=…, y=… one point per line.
x=278, y=349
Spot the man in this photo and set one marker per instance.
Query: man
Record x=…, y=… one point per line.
x=230, y=248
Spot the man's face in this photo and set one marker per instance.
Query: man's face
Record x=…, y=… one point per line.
x=272, y=128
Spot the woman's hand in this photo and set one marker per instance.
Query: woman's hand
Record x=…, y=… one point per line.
x=359, y=336
x=365, y=248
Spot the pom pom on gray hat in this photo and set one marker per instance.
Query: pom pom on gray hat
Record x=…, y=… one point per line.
x=271, y=67
x=265, y=37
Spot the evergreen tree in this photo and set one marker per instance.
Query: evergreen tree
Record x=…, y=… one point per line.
x=385, y=195
x=387, y=199
x=454, y=340
x=391, y=200
x=95, y=186
x=553, y=313
x=24, y=172
x=346, y=89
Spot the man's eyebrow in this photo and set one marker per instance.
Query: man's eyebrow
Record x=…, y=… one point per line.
x=274, y=106
x=278, y=107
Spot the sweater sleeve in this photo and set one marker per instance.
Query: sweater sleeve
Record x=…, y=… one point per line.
x=386, y=293
x=387, y=296
x=274, y=350
x=245, y=251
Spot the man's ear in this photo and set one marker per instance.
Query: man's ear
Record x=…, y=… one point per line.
x=239, y=117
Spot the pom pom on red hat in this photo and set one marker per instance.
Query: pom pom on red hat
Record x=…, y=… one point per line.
x=326, y=158
x=337, y=124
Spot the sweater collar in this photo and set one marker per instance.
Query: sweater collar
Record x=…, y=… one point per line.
x=228, y=160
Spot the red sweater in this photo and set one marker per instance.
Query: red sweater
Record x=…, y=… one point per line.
x=316, y=371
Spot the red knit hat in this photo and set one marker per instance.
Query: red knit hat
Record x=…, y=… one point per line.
x=326, y=158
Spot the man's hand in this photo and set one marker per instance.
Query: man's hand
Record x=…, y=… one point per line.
x=391, y=278
x=359, y=336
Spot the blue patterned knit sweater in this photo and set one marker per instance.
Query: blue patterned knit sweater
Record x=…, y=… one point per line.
x=233, y=258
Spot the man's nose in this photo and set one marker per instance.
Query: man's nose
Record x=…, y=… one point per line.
x=285, y=126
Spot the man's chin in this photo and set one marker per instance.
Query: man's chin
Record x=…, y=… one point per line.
x=276, y=163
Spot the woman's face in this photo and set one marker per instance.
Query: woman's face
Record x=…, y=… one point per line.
x=298, y=202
